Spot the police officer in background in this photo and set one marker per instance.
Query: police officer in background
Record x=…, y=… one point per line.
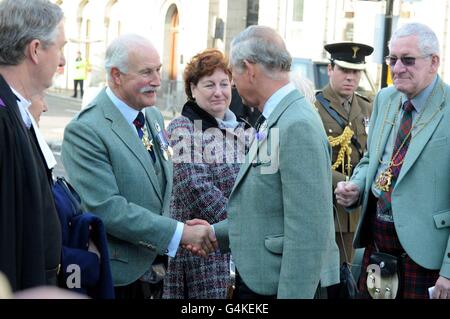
x=345, y=115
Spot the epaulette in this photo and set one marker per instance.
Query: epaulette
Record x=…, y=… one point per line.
x=363, y=97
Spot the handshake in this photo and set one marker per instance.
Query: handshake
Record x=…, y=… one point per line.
x=199, y=238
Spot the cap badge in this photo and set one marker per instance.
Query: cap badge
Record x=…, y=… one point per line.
x=355, y=50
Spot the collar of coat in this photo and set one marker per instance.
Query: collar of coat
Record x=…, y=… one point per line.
x=193, y=112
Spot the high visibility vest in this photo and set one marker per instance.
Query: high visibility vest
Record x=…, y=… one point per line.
x=80, y=69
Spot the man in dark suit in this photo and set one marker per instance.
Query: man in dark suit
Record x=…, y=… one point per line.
x=118, y=159
x=30, y=239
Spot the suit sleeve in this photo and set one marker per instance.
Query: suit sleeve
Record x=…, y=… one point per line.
x=87, y=163
x=360, y=173
x=221, y=231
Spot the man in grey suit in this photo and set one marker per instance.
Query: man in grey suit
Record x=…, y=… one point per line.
x=280, y=226
x=403, y=181
x=118, y=159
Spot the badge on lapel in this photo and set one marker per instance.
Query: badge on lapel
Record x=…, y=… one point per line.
x=163, y=142
x=261, y=134
x=146, y=140
x=366, y=124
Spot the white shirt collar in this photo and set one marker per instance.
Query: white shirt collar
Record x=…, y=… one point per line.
x=29, y=121
x=23, y=104
x=127, y=111
x=45, y=149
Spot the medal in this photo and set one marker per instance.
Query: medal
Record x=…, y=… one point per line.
x=384, y=180
x=148, y=143
x=164, y=145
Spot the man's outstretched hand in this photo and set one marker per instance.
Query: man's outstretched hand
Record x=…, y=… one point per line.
x=199, y=238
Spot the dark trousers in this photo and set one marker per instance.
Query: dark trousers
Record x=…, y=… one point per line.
x=75, y=87
x=139, y=290
x=243, y=292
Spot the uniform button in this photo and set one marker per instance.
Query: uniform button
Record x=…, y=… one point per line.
x=350, y=123
x=448, y=255
x=443, y=222
x=330, y=130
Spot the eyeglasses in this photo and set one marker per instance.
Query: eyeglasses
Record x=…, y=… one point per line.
x=406, y=60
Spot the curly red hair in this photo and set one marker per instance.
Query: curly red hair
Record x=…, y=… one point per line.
x=204, y=64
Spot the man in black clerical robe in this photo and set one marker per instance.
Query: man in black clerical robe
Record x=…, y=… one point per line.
x=30, y=233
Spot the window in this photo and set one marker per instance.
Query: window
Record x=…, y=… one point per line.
x=252, y=12
x=297, y=14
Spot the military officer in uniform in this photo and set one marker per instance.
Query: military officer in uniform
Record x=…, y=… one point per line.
x=345, y=115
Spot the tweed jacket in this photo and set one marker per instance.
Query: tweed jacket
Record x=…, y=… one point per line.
x=201, y=188
x=280, y=218
x=421, y=195
x=114, y=175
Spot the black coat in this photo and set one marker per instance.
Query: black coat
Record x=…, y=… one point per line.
x=30, y=235
x=248, y=115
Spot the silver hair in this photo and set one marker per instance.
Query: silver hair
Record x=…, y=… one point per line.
x=260, y=44
x=22, y=21
x=427, y=40
x=303, y=84
x=119, y=50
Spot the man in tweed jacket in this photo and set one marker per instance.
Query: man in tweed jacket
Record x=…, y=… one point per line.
x=280, y=219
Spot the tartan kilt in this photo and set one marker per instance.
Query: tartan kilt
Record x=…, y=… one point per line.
x=415, y=280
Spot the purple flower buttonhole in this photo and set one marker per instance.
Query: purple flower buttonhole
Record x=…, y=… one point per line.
x=260, y=136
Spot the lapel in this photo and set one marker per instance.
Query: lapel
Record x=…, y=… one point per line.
x=151, y=120
x=125, y=132
x=387, y=115
x=151, y=129
x=271, y=121
x=335, y=102
x=9, y=101
x=432, y=115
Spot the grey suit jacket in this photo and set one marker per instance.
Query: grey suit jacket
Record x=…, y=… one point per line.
x=112, y=171
x=280, y=219
x=421, y=195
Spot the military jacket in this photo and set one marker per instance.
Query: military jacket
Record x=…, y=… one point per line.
x=358, y=121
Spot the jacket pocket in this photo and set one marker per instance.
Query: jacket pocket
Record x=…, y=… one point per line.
x=274, y=243
x=442, y=219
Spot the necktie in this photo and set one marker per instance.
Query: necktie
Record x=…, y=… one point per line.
x=347, y=106
x=398, y=154
x=139, y=123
